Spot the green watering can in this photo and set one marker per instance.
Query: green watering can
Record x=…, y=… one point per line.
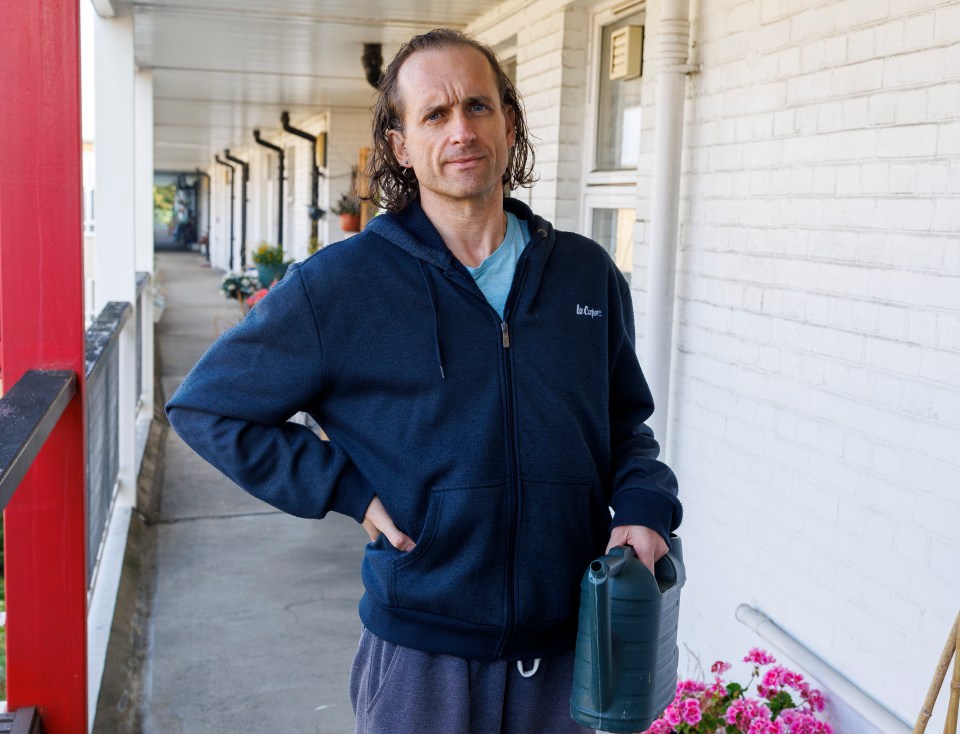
x=625, y=672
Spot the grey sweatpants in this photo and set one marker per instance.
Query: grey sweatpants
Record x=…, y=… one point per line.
x=397, y=690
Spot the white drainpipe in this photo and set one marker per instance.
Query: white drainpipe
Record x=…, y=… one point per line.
x=673, y=37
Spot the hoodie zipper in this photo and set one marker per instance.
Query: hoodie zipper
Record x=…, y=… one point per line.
x=513, y=486
x=513, y=483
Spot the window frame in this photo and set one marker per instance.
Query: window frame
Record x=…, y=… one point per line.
x=604, y=189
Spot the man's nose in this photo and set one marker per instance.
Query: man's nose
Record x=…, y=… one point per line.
x=462, y=131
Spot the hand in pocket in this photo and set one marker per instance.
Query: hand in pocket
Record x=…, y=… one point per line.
x=377, y=521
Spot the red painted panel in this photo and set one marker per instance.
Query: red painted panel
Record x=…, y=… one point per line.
x=41, y=322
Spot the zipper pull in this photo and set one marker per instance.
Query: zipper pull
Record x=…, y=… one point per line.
x=506, y=334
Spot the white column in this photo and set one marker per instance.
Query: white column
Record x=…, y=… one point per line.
x=143, y=239
x=143, y=220
x=114, y=268
x=114, y=141
x=116, y=207
x=143, y=188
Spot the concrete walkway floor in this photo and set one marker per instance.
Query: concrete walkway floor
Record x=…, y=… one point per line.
x=252, y=622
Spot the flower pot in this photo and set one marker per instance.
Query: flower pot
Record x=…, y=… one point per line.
x=270, y=273
x=350, y=222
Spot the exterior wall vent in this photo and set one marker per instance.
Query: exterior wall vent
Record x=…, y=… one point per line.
x=626, y=52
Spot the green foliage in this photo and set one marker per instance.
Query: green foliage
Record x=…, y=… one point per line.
x=267, y=254
x=348, y=204
x=164, y=200
x=779, y=702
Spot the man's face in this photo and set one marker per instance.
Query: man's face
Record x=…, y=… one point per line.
x=456, y=132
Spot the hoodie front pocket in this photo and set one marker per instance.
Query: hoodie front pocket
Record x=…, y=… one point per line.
x=558, y=538
x=458, y=568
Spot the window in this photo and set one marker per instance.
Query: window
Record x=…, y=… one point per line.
x=612, y=161
x=618, y=104
x=613, y=228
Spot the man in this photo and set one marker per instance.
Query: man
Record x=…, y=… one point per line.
x=475, y=372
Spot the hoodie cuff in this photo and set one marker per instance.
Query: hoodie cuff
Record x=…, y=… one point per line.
x=658, y=512
x=353, y=495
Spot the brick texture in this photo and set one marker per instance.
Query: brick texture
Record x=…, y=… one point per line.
x=815, y=416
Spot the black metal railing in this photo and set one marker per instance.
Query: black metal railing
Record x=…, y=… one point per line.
x=28, y=413
x=21, y=721
x=103, y=429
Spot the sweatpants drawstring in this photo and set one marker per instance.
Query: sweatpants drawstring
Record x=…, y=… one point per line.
x=529, y=673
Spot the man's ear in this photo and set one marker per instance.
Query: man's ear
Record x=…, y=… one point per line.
x=511, y=116
x=398, y=145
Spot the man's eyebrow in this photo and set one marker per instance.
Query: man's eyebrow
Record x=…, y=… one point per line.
x=482, y=98
x=428, y=109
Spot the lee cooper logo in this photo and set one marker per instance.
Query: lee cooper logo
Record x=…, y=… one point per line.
x=593, y=313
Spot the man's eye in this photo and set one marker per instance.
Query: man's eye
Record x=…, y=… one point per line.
x=478, y=107
x=433, y=117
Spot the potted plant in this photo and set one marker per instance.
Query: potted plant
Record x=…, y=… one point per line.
x=348, y=207
x=238, y=285
x=784, y=703
x=270, y=263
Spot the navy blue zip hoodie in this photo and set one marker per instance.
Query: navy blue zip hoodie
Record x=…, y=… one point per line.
x=498, y=445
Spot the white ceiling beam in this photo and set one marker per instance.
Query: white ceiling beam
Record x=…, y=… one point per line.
x=104, y=8
x=260, y=15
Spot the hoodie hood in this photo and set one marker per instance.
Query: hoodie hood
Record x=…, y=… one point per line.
x=412, y=231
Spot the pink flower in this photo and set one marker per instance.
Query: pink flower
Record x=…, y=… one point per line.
x=717, y=688
x=743, y=711
x=759, y=657
x=690, y=688
x=778, y=677
x=813, y=698
x=257, y=296
x=659, y=727
x=763, y=726
x=696, y=702
x=672, y=715
x=800, y=722
x=690, y=711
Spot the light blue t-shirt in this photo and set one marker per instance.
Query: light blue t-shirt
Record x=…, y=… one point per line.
x=494, y=275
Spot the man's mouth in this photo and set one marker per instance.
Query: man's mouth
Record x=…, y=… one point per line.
x=465, y=161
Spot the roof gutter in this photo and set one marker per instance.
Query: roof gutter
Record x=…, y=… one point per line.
x=232, y=197
x=244, y=180
x=315, y=211
x=280, y=155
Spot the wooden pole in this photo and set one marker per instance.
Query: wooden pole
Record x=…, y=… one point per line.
x=949, y=649
x=950, y=725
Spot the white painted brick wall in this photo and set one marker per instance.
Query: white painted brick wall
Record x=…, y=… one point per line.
x=551, y=76
x=816, y=408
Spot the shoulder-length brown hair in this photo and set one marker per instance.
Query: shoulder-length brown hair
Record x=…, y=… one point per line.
x=392, y=186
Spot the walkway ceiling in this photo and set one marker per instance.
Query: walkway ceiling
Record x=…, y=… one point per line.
x=222, y=68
